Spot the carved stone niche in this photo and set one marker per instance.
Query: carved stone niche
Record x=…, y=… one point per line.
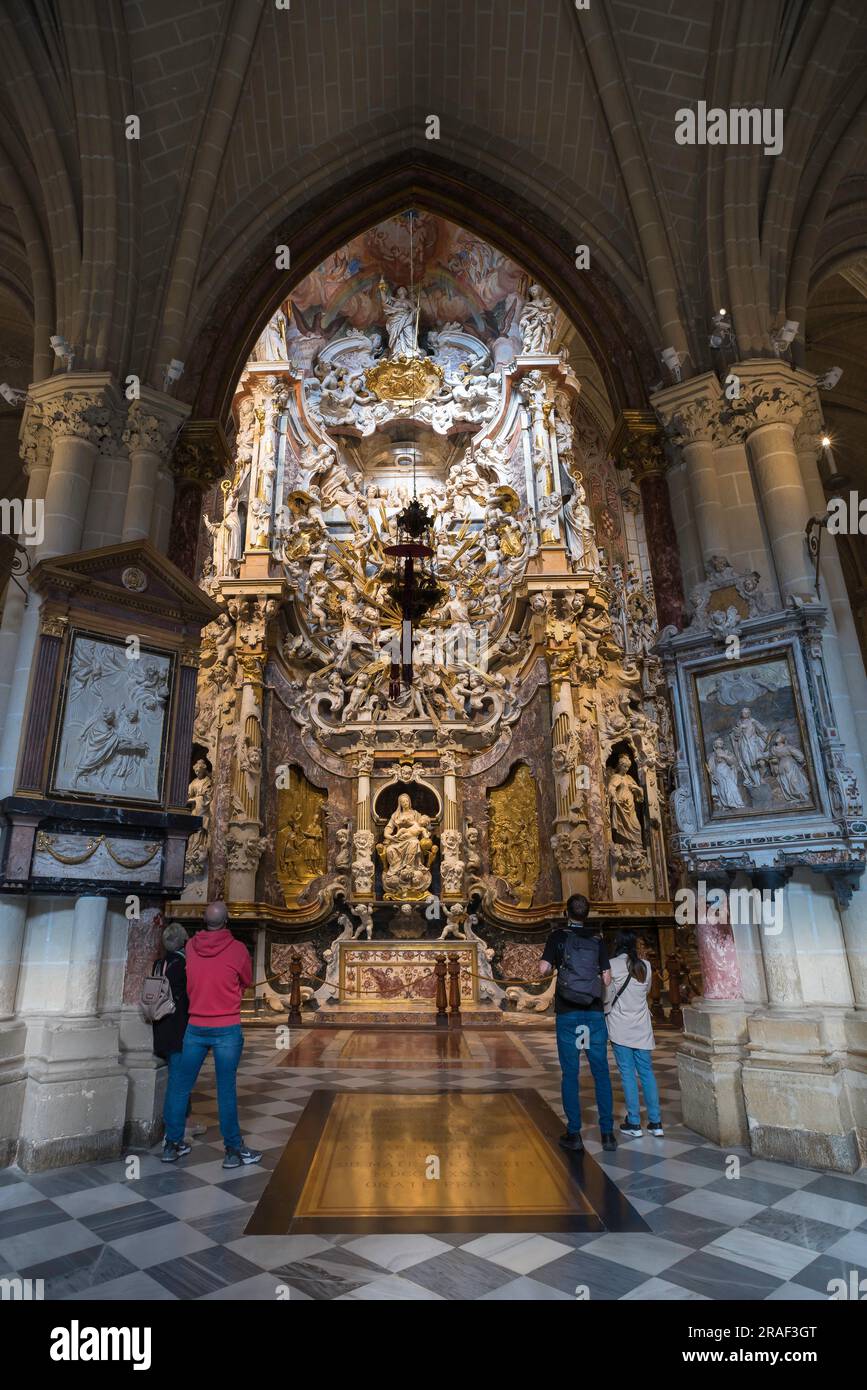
x=101, y=788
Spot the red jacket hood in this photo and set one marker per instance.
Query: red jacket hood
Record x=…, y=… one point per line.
x=211, y=943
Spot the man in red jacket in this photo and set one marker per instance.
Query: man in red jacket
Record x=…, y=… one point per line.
x=218, y=972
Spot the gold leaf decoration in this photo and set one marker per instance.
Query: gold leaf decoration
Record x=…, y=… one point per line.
x=514, y=833
x=405, y=379
x=300, y=844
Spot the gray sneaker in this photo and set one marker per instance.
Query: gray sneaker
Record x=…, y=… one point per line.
x=172, y=1152
x=235, y=1157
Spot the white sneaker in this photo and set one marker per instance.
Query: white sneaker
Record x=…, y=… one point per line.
x=195, y=1131
x=656, y=1130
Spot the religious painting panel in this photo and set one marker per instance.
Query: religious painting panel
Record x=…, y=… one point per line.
x=754, y=750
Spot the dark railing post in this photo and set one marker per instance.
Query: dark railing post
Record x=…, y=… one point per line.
x=295, y=968
x=454, y=969
x=441, y=1001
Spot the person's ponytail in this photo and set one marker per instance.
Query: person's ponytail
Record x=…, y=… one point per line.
x=626, y=944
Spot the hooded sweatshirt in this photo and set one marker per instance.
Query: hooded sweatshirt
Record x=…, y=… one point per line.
x=218, y=971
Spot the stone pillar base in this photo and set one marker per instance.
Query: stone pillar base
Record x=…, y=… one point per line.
x=856, y=1074
x=795, y=1089
x=147, y=1076
x=709, y=1070
x=12, y=1080
x=75, y=1095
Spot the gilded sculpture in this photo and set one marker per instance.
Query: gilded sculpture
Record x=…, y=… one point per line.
x=300, y=843
x=514, y=834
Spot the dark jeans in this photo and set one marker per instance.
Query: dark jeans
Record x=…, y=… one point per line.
x=184, y=1068
x=578, y=1031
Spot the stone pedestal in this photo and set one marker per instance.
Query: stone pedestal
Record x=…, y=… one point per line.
x=147, y=1076
x=13, y=1037
x=75, y=1094
x=709, y=1063
x=794, y=1082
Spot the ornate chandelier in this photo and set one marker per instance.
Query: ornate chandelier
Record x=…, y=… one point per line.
x=413, y=586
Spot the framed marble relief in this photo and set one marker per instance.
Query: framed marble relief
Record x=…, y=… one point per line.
x=112, y=728
x=753, y=748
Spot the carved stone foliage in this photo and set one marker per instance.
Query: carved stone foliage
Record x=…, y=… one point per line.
x=513, y=818
x=726, y=598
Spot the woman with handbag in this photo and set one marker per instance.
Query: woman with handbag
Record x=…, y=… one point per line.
x=170, y=1017
x=630, y=1030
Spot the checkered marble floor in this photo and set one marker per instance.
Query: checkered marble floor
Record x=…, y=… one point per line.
x=91, y=1232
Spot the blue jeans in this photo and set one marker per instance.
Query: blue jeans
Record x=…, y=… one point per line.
x=571, y=1042
x=184, y=1068
x=636, y=1064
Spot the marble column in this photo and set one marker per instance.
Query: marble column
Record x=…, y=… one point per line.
x=772, y=415
x=13, y=1031
x=710, y=1058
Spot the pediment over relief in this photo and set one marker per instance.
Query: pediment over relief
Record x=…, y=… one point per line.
x=132, y=574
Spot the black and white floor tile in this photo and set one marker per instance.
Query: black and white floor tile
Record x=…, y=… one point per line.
x=772, y=1232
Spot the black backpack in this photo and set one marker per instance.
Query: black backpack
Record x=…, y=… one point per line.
x=579, y=980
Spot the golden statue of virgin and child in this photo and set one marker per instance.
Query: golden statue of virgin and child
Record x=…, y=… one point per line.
x=407, y=852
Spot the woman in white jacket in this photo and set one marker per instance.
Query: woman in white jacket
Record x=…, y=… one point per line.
x=631, y=1032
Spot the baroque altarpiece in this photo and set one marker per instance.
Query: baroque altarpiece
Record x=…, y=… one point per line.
x=527, y=757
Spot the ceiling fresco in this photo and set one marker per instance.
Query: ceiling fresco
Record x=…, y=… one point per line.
x=460, y=279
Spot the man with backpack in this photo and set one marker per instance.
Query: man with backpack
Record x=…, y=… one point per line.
x=579, y=956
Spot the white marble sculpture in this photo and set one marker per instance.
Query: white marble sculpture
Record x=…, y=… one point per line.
x=228, y=538
x=401, y=317
x=537, y=321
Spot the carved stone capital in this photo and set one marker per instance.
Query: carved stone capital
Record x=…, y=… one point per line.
x=148, y=430
x=693, y=422
x=638, y=443
x=760, y=405
x=201, y=454
x=85, y=415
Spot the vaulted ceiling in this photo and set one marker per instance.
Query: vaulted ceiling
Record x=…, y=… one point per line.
x=555, y=129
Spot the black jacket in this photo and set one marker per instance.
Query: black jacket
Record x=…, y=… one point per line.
x=169, y=1031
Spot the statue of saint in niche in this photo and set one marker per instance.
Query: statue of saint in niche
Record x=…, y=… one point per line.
x=624, y=796
x=407, y=852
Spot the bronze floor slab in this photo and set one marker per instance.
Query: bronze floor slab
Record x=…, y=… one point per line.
x=410, y=1048
x=450, y=1161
